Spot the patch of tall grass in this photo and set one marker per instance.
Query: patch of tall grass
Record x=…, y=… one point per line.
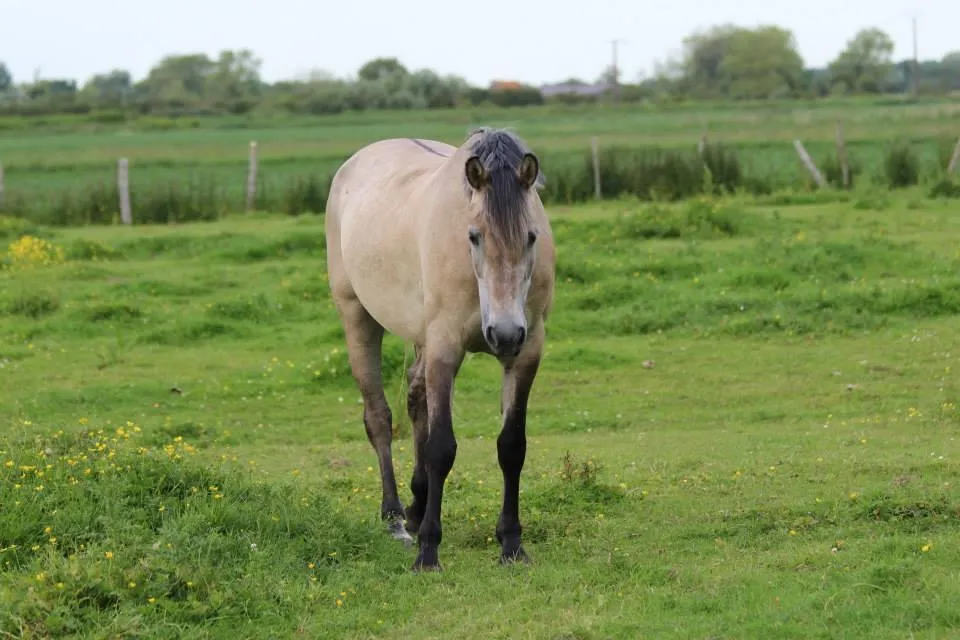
x=649, y=173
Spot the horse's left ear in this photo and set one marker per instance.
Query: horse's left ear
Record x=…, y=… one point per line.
x=529, y=170
x=476, y=174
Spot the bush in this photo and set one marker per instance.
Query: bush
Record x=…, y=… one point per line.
x=649, y=173
x=945, y=187
x=832, y=170
x=901, y=165
x=726, y=172
x=15, y=228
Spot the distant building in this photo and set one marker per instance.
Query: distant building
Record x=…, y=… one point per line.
x=505, y=85
x=575, y=88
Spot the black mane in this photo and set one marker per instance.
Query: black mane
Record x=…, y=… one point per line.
x=501, y=151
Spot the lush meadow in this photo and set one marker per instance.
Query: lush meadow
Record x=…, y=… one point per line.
x=195, y=169
x=745, y=426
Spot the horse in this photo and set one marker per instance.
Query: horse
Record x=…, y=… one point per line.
x=449, y=248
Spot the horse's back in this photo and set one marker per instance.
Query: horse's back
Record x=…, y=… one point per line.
x=373, y=228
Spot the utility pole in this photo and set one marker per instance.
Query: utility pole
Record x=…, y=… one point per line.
x=915, y=76
x=616, y=70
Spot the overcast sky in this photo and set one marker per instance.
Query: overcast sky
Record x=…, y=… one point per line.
x=528, y=40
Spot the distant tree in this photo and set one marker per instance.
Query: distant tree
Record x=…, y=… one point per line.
x=109, y=88
x=190, y=71
x=761, y=63
x=951, y=68
x=951, y=61
x=817, y=82
x=234, y=81
x=54, y=88
x=6, y=78
x=866, y=63
x=702, y=57
x=746, y=63
x=380, y=68
x=432, y=90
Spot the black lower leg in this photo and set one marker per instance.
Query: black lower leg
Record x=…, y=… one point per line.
x=511, y=453
x=418, y=487
x=441, y=451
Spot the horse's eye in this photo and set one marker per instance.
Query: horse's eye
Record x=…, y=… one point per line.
x=531, y=238
x=474, y=236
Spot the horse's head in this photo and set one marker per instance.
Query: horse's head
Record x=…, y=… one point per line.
x=502, y=178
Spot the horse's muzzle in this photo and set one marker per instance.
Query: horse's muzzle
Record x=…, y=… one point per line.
x=505, y=337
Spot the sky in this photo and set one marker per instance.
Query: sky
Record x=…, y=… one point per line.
x=533, y=41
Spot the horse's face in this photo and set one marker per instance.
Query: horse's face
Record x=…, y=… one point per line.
x=503, y=264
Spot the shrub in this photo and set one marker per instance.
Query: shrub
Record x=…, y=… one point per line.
x=832, y=170
x=901, y=165
x=649, y=173
x=945, y=187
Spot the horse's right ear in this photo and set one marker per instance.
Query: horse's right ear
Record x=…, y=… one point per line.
x=476, y=174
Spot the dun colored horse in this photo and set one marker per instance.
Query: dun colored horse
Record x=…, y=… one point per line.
x=450, y=249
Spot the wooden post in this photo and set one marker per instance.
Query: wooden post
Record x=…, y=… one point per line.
x=842, y=155
x=252, y=177
x=954, y=160
x=809, y=164
x=595, y=148
x=123, y=188
x=1, y=187
x=702, y=144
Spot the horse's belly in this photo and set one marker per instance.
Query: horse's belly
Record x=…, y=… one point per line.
x=385, y=275
x=397, y=308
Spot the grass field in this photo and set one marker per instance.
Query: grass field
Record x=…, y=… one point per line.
x=68, y=177
x=745, y=426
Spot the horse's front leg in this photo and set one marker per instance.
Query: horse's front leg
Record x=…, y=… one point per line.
x=440, y=449
x=518, y=379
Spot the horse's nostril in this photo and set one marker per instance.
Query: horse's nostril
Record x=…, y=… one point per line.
x=491, y=336
x=521, y=335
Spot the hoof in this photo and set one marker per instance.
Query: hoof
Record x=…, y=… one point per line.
x=412, y=520
x=517, y=556
x=399, y=532
x=412, y=527
x=427, y=560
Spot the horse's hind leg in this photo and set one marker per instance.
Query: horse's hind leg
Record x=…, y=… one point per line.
x=364, y=338
x=417, y=411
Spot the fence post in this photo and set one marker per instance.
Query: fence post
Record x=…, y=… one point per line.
x=809, y=164
x=252, y=177
x=954, y=160
x=1, y=186
x=842, y=155
x=123, y=188
x=595, y=149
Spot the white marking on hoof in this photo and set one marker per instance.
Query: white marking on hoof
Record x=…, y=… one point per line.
x=399, y=532
x=404, y=537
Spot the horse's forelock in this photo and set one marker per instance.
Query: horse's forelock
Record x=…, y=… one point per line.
x=501, y=152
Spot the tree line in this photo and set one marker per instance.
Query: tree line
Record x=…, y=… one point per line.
x=723, y=62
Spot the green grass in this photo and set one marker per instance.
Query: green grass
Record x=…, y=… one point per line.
x=191, y=173
x=745, y=426
x=220, y=140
